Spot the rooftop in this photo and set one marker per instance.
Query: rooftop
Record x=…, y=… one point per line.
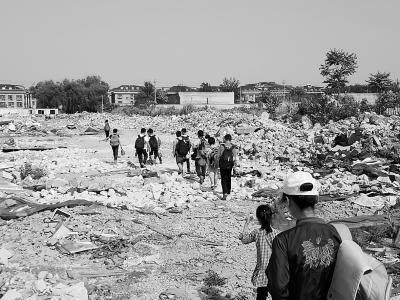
x=11, y=87
x=127, y=88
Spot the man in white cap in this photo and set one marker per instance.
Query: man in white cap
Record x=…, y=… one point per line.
x=303, y=258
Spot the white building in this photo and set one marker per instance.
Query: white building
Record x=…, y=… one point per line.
x=124, y=94
x=15, y=97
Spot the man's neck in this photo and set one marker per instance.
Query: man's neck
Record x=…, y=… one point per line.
x=308, y=213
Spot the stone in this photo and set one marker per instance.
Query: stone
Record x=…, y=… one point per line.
x=12, y=295
x=5, y=255
x=40, y=285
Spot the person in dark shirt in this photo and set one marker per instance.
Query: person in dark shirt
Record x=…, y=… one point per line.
x=303, y=258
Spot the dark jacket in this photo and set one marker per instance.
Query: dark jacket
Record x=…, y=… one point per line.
x=303, y=260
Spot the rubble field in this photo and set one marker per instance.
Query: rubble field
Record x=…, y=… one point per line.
x=76, y=226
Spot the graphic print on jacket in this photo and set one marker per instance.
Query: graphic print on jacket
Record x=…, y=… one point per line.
x=317, y=255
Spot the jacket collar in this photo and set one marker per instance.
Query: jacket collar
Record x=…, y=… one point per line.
x=310, y=220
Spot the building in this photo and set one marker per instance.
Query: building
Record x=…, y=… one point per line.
x=44, y=111
x=206, y=98
x=15, y=97
x=124, y=94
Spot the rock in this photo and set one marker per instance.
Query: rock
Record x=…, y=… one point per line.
x=307, y=124
x=5, y=255
x=42, y=275
x=12, y=295
x=40, y=285
x=7, y=175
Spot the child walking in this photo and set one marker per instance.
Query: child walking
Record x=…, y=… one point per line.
x=263, y=238
x=212, y=162
x=115, y=143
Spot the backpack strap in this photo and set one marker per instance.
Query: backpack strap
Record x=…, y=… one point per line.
x=343, y=231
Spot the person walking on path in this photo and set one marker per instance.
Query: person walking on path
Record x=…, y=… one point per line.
x=154, y=143
x=185, y=137
x=181, y=150
x=303, y=258
x=107, y=129
x=263, y=238
x=199, y=155
x=212, y=162
x=141, y=146
x=115, y=142
x=226, y=162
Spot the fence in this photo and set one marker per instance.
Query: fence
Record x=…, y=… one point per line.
x=394, y=111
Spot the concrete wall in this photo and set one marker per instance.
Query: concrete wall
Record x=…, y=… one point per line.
x=371, y=97
x=203, y=98
x=14, y=111
x=215, y=106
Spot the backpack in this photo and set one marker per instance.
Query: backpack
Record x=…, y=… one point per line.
x=226, y=159
x=107, y=127
x=183, y=147
x=153, y=142
x=201, y=151
x=139, y=144
x=212, y=158
x=357, y=275
x=114, y=140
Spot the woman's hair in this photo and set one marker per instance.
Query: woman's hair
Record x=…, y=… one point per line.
x=211, y=140
x=264, y=216
x=228, y=137
x=115, y=130
x=178, y=134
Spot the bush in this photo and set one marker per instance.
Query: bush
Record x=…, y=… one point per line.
x=213, y=279
x=154, y=110
x=35, y=172
x=323, y=109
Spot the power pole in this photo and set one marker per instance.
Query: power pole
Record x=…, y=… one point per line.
x=155, y=93
x=102, y=104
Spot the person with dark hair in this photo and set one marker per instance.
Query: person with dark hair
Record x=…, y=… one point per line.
x=142, y=146
x=115, y=143
x=263, y=238
x=226, y=162
x=178, y=154
x=303, y=258
x=212, y=162
x=154, y=143
x=185, y=157
x=200, y=157
x=107, y=129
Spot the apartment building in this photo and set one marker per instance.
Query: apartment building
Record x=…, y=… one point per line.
x=124, y=94
x=15, y=96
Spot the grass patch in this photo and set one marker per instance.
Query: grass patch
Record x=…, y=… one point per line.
x=153, y=111
x=35, y=172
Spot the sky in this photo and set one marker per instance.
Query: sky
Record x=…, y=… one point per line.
x=189, y=42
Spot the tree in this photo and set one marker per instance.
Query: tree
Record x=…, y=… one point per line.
x=337, y=67
x=386, y=100
x=205, y=87
x=271, y=102
x=48, y=94
x=379, y=82
x=180, y=88
x=319, y=109
x=230, y=85
x=146, y=95
x=297, y=93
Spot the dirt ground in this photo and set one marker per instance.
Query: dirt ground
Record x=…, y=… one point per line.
x=204, y=238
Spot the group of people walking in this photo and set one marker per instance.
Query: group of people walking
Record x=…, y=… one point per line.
x=147, y=145
x=209, y=158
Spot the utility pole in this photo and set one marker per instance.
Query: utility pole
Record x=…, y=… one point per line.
x=102, y=104
x=155, y=93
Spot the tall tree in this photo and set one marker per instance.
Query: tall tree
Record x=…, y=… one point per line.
x=205, y=87
x=180, y=88
x=338, y=66
x=230, y=85
x=146, y=95
x=379, y=82
x=271, y=102
x=48, y=94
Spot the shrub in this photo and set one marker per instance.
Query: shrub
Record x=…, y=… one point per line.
x=28, y=170
x=213, y=279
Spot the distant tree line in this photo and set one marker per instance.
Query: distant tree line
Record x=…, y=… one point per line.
x=72, y=95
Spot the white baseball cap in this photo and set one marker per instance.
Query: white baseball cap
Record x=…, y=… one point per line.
x=294, y=181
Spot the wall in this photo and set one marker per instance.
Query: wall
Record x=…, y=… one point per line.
x=215, y=106
x=14, y=111
x=371, y=97
x=200, y=98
